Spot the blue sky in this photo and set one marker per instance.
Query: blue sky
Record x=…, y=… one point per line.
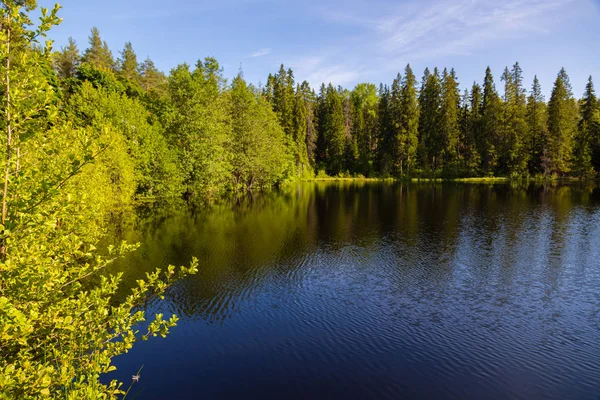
x=351, y=41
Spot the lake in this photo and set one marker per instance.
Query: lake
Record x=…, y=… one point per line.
x=375, y=290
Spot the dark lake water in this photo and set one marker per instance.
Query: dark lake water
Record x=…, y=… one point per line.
x=376, y=290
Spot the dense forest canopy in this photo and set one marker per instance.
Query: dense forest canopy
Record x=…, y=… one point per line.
x=194, y=135
x=85, y=133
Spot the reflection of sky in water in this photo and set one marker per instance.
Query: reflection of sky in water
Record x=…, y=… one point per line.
x=377, y=291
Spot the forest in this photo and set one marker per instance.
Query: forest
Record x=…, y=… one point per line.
x=85, y=133
x=191, y=132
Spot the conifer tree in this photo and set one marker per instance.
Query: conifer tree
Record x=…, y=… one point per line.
x=321, y=117
x=562, y=125
x=409, y=122
x=385, y=132
x=128, y=64
x=513, y=153
x=536, y=124
x=300, y=128
x=392, y=154
x=449, y=128
x=309, y=98
x=98, y=54
x=67, y=60
x=151, y=78
x=586, y=162
x=491, y=124
x=474, y=139
x=429, y=122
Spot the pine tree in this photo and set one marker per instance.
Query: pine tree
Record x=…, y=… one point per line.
x=385, y=132
x=321, y=117
x=468, y=147
x=449, y=127
x=409, y=122
x=98, y=54
x=562, y=125
x=491, y=124
x=67, y=60
x=128, y=64
x=392, y=156
x=151, y=78
x=429, y=121
x=536, y=116
x=513, y=153
x=334, y=131
x=308, y=95
x=300, y=124
x=587, y=146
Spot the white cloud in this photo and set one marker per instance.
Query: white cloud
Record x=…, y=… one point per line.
x=316, y=70
x=261, y=52
x=388, y=35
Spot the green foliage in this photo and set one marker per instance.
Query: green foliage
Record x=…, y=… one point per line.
x=261, y=157
x=154, y=163
x=562, y=125
x=197, y=125
x=98, y=54
x=59, y=327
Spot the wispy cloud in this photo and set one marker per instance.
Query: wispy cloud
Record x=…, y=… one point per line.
x=261, y=52
x=387, y=35
x=457, y=28
x=317, y=70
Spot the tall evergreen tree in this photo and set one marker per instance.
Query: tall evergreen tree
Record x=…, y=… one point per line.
x=151, y=78
x=448, y=125
x=385, y=137
x=491, y=124
x=536, y=117
x=513, y=154
x=128, y=64
x=409, y=122
x=429, y=122
x=562, y=125
x=67, y=60
x=98, y=53
x=308, y=95
x=300, y=129
x=587, y=143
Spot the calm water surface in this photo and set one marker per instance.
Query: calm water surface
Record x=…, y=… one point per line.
x=374, y=290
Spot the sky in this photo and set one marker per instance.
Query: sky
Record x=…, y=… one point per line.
x=346, y=42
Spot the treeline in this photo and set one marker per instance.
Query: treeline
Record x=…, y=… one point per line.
x=192, y=132
x=433, y=130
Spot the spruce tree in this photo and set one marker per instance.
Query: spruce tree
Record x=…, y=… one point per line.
x=309, y=98
x=491, y=125
x=562, y=125
x=448, y=126
x=128, y=64
x=98, y=54
x=513, y=154
x=536, y=117
x=430, y=135
x=409, y=122
x=334, y=130
x=300, y=128
x=385, y=132
x=67, y=60
x=151, y=78
x=586, y=160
